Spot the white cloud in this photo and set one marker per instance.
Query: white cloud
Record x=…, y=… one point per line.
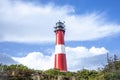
x=28, y=22
x=36, y=60
x=98, y=51
x=80, y=57
x=77, y=58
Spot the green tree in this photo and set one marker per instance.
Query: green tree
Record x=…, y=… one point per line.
x=54, y=72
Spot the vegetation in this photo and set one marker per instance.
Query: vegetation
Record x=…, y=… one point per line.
x=111, y=71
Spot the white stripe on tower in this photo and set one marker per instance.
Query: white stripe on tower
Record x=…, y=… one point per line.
x=59, y=49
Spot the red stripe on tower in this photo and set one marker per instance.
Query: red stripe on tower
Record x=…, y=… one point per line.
x=60, y=56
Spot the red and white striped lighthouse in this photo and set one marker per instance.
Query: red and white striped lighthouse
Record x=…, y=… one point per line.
x=60, y=56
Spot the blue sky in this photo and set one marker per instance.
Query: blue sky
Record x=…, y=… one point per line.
x=27, y=37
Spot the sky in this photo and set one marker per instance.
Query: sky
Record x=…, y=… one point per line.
x=27, y=32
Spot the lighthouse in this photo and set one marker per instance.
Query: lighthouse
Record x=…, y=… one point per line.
x=60, y=62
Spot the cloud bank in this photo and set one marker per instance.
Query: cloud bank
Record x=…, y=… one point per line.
x=27, y=22
x=77, y=58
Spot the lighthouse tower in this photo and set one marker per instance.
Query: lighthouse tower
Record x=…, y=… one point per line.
x=60, y=56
